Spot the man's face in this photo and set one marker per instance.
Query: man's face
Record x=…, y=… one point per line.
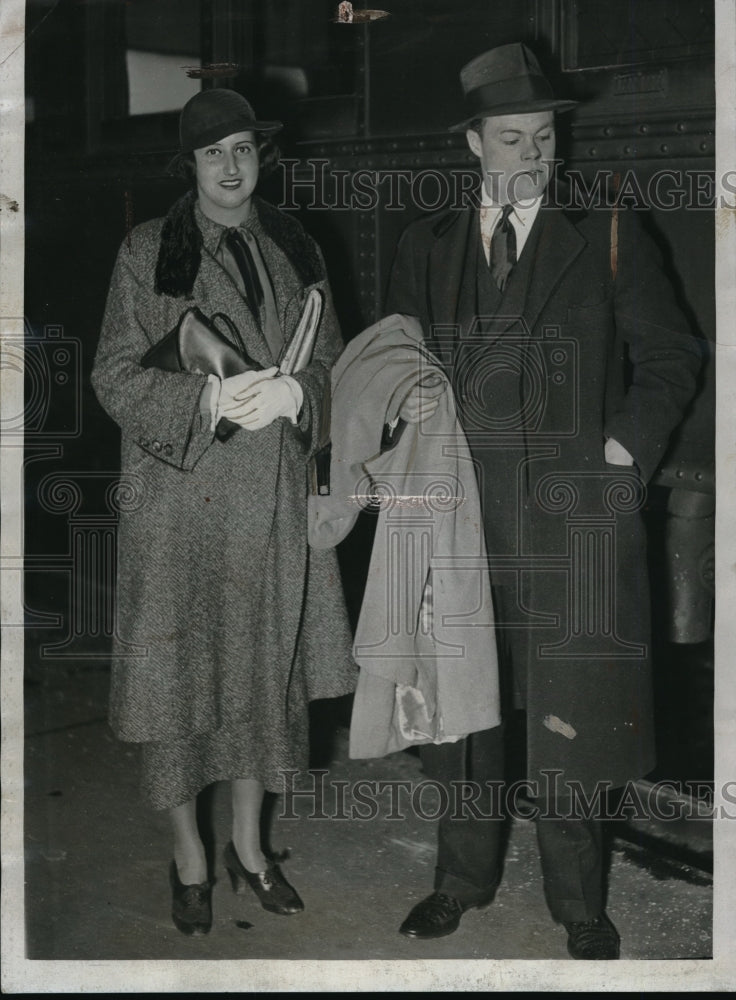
x=516, y=153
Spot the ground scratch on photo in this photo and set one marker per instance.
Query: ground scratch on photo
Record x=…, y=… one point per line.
x=418, y=847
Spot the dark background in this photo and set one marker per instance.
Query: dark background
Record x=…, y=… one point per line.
x=375, y=97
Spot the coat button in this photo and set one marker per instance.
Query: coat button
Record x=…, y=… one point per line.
x=168, y=449
x=156, y=446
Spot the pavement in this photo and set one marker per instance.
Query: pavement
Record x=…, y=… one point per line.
x=97, y=858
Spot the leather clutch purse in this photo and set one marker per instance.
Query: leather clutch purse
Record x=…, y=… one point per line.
x=196, y=345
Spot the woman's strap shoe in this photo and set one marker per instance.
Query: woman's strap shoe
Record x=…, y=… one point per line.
x=273, y=891
x=191, y=905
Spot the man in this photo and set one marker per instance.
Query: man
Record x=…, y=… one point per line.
x=571, y=366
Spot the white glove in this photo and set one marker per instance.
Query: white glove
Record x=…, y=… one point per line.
x=237, y=386
x=616, y=454
x=233, y=390
x=259, y=403
x=423, y=400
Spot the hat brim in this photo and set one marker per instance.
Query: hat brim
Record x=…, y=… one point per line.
x=221, y=129
x=266, y=127
x=515, y=108
x=175, y=165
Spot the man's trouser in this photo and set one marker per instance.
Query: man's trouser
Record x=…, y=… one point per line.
x=469, y=845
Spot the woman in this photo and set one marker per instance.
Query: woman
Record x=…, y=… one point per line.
x=227, y=624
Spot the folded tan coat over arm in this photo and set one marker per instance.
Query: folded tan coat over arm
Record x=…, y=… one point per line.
x=425, y=638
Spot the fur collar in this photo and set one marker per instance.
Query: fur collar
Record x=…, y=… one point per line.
x=180, y=250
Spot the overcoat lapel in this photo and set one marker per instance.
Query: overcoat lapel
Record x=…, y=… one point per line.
x=554, y=248
x=445, y=268
x=227, y=299
x=444, y=277
x=293, y=264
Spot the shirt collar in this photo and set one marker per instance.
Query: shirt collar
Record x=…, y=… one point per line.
x=212, y=232
x=524, y=212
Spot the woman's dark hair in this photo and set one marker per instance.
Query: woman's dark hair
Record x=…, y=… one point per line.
x=183, y=165
x=269, y=155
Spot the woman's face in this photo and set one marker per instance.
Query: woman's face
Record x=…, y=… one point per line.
x=227, y=173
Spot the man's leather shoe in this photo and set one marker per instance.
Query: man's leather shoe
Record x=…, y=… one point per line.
x=437, y=915
x=593, y=939
x=272, y=889
x=191, y=905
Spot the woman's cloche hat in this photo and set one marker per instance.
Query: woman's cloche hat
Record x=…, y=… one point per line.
x=214, y=114
x=506, y=80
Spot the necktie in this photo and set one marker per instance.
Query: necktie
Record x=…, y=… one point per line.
x=503, y=248
x=248, y=271
x=257, y=286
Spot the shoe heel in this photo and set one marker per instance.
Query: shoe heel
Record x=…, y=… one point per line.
x=240, y=886
x=235, y=870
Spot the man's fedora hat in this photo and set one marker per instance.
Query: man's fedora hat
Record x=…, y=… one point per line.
x=506, y=80
x=214, y=114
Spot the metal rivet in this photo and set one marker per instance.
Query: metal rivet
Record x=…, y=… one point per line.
x=664, y=148
x=592, y=151
x=644, y=129
x=627, y=150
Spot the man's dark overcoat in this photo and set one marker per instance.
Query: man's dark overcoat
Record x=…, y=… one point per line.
x=586, y=343
x=225, y=618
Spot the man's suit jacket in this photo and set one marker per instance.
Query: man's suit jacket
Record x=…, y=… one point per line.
x=586, y=350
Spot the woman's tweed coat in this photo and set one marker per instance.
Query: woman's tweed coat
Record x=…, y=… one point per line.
x=221, y=607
